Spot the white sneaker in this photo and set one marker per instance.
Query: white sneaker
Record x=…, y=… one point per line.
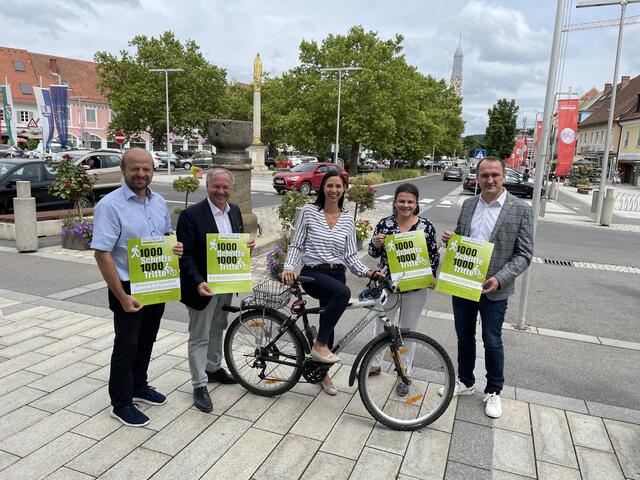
x=458, y=389
x=493, y=407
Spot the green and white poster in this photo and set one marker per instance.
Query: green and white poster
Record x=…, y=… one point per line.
x=154, y=270
x=228, y=263
x=464, y=267
x=409, y=260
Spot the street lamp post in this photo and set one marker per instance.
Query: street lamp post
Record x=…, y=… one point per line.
x=339, y=70
x=612, y=103
x=166, y=89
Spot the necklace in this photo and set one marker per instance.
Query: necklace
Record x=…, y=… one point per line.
x=332, y=218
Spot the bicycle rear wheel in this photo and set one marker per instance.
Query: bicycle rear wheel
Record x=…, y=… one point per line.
x=429, y=368
x=257, y=366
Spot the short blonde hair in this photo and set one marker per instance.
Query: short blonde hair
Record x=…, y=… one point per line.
x=217, y=171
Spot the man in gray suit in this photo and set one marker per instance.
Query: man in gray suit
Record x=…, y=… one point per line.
x=498, y=217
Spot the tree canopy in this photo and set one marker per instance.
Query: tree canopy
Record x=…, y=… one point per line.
x=137, y=96
x=388, y=106
x=500, y=136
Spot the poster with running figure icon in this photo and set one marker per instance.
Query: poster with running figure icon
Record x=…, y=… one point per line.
x=464, y=268
x=154, y=270
x=409, y=260
x=228, y=263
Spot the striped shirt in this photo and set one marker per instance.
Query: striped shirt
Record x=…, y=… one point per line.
x=315, y=243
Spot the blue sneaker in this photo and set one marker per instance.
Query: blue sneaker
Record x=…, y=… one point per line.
x=150, y=396
x=130, y=416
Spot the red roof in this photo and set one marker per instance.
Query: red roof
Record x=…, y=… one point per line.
x=626, y=101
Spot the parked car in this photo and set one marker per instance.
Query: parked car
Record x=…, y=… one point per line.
x=39, y=173
x=200, y=159
x=292, y=160
x=454, y=173
x=306, y=177
x=9, y=151
x=270, y=162
x=160, y=159
x=61, y=155
x=367, y=165
x=105, y=165
x=469, y=181
x=401, y=164
x=513, y=183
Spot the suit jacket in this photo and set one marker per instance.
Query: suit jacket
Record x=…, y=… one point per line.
x=193, y=225
x=512, y=237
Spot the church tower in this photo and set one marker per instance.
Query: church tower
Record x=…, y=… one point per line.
x=456, y=71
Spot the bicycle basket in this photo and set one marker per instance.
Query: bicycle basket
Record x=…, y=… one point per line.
x=268, y=293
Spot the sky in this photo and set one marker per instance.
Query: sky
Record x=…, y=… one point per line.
x=506, y=43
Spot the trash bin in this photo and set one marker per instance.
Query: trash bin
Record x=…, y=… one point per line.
x=594, y=200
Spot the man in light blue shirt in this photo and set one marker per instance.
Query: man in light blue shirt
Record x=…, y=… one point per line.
x=131, y=211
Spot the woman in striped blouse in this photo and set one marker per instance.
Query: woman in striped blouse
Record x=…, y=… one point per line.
x=404, y=219
x=324, y=240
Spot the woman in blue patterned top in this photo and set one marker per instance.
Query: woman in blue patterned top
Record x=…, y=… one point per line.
x=404, y=219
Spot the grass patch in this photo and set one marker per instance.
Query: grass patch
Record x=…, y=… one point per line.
x=400, y=174
x=367, y=179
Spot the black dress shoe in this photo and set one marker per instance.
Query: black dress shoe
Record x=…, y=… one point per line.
x=221, y=376
x=202, y=400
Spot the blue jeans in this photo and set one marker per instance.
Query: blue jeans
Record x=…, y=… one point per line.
x=492, y=314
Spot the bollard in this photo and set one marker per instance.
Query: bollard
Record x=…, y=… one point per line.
x=543, y=206
x=553, y=188
x=24, y=212
x=607, y=208
x=594, y=200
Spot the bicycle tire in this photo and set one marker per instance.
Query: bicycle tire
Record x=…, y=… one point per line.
x=240, y=353
x=378, y=392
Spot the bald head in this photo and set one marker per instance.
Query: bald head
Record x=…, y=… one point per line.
x=135, y=153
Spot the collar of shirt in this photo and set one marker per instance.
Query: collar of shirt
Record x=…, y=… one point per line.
x=129, y=194
x=216, y=211
x=497, y=203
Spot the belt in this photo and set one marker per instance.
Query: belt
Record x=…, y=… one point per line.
x=327, y=266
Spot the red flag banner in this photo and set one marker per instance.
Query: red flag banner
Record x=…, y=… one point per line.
x=538, y=132
x=567, y=128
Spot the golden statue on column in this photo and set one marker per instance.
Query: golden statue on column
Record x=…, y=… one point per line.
x=257, y=149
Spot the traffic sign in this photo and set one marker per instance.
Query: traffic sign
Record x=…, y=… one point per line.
x=119, y=138
x=480, y=153
x=33, y=123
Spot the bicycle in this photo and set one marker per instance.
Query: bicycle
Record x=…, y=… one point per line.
x=266, y=352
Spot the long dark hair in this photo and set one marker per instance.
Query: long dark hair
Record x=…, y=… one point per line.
x=321, y=196
x=407, y=188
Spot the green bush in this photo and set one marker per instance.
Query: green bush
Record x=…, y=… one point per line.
x=71, y=183
x=400, y=174
x=367, y=179
x=362, y=196
x=289, y=206
x=187, y=185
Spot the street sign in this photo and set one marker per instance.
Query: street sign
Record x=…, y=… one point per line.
x=480, y=154
x=172, y=137
x=32, y=123
x=119, y=138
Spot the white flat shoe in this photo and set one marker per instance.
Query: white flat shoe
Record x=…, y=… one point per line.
x=331, y=358
x=329, y=389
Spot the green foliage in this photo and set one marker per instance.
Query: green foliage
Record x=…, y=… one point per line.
x=367, y=179
x=363, y=196
x=32, y=143
x=287, y=210
x=388, y=107
x=71, y=183
x=187, y=184
x=138, y=95
x=394, y=174
x=471, y=143
x=238, y=102
x=500, y=136
x=363, y=230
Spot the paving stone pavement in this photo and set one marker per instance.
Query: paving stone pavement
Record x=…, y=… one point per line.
x=55, y=423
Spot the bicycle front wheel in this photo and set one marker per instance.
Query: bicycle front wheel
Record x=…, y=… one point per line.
x=408, y=406
x=261, y=365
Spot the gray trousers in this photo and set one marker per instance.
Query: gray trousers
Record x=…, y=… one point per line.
x=206, y=334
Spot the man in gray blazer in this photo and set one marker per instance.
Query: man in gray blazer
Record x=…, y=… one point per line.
x=498, y=217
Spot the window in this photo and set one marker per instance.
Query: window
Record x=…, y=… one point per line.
x=31, y=173
x=638, y=140
x=626, y=138
x=591, y=138
x=24, y=116
x=90, y=114
x=1, y=114
x=111, y=161
x=26, y=89
x=18, y=65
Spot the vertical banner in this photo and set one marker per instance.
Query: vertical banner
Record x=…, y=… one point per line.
x=43, y=102
x=567, y=126
x=228, y=263
x=59, y=102
x=154, y=270
x=538, y=132
x=409, y=260
x=9, y=117
x=464, y=267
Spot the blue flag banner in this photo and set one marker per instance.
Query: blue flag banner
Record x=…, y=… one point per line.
x=9, y=117
x=43, y=101
x=59, y=102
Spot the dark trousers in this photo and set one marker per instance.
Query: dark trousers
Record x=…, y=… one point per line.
x=492, y=314
x=331, y=289
x=132, y=346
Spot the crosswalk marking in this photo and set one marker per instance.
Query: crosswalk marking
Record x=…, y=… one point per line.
x=385, y=197
x=425, y=200
x=446, y=202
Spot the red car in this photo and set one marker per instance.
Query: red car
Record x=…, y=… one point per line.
x=306, y=177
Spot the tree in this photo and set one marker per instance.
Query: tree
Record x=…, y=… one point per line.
x=137, y=96
x=471, y=143
x=388, y=106
x=238, y=102
x=500, y=136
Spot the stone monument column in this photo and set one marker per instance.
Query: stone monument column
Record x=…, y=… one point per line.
x=231, y=139
x=257, y=149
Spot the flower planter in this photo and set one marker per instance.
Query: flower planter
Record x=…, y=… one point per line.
x=359, y=244
x=74, y=241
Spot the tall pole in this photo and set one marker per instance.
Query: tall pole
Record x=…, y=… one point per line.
x=541, y=154
x=80, y=117
x=166, y=97
x=339, y=70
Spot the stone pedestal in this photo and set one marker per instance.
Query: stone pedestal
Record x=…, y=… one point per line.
x=258, y=154
x=231, y=139
x=26, y=225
